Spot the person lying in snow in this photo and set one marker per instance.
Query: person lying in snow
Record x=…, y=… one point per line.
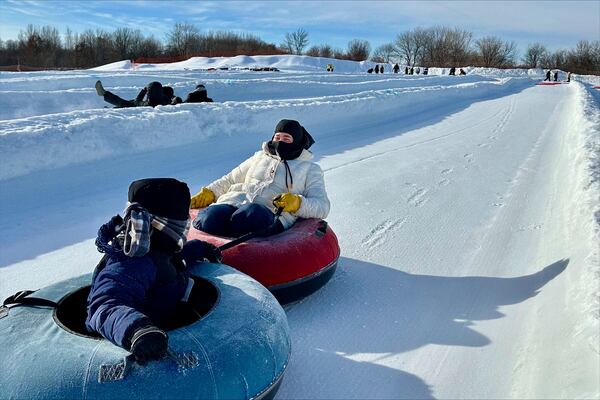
x=152, y=95
x=142, y=278
x=280, y=174
x=170, y=93
x=198, y=96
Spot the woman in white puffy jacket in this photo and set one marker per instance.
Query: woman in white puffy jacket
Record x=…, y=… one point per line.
x=281, y=174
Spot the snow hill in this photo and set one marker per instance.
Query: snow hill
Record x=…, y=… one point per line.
x=467, y=209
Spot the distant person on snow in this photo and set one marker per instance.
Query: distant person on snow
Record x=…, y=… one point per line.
x=412, y=70
x=547, y=76
x=199, y=95
x=452, y=71
x=281, y=174
x=425, y=70
x=555, y=76
x=370, y=71
x=170, y=93
x=141, y=282
x=418, y=70
x=377, y=68
x=462, y=72
x=568, y=77
x=396, y=68
x=152, y=95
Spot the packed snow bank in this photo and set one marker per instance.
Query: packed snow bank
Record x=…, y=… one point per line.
x=116, y=66
x=589, y=158
x=59, y=140
x=30, y=95
x=287, y=62
x=282, y=62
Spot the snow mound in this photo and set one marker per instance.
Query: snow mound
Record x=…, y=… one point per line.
x=282, y=62
x=288, y=62
x=116, y=66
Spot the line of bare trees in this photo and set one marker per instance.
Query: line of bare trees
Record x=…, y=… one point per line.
x=45, y=47
x=437, y=46
x=295, y=43
x=441, y=46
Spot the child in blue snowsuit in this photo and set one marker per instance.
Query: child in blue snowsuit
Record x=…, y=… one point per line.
x=142, y=278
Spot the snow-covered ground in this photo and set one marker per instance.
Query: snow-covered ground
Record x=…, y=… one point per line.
x=467, y=210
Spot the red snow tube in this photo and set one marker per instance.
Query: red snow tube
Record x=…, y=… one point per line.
x=549, y=83
x=292, y=264
x=597, y=87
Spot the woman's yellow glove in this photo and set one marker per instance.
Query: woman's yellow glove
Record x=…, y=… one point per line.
x=288, y=201
x=203, y=198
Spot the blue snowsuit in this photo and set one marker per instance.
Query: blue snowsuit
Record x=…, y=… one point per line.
x=129, y=293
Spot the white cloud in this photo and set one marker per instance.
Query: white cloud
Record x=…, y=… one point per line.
x=555, y=23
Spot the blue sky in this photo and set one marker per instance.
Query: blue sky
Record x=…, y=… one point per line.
x=557, y=24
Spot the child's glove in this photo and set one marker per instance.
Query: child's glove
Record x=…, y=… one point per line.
x=203, y=198
x=149, y=343
x=288, y=201
x=197, y=250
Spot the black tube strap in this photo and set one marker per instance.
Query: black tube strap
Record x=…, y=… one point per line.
x=20, y=298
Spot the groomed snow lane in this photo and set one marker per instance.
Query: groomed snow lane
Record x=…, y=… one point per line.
x=461, y=246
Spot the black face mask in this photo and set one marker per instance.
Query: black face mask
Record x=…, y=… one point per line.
x=291, y=151
x=287, y=151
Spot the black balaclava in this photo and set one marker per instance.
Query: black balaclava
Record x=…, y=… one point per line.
x=165, y=197
x=155, y=93
x=291, y=151
x=168, y=91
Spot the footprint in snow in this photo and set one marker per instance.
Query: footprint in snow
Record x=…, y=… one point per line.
x=377, y=235
x=418, y=198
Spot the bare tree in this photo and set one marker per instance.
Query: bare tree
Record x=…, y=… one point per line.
x=339, y=54
x=493, y=52
x=325, y=51
x=534, y=54
x=149, y=47
x=182, y=39
x=458, y=43
x=410, y=45
x=295, y=42
x=127, y=41
x=40, y=46
x=313, y=51
x=556, y=59
x=444, y=47
x=358, y=50
x=69, y=39
x=586, y=55
x=384, y=53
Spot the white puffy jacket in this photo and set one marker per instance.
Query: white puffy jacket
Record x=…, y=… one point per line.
x=262, y=177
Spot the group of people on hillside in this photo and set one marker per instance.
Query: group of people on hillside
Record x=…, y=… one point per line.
x=142, y=282
x=379, y=69
x=553, y=76
x=415, y=70
x=453, y=71
x=154, y=94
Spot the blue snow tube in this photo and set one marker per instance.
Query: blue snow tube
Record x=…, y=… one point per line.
x=238, y=349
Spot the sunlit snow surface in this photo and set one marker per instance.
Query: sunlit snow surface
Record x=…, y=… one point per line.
x=466, y=208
